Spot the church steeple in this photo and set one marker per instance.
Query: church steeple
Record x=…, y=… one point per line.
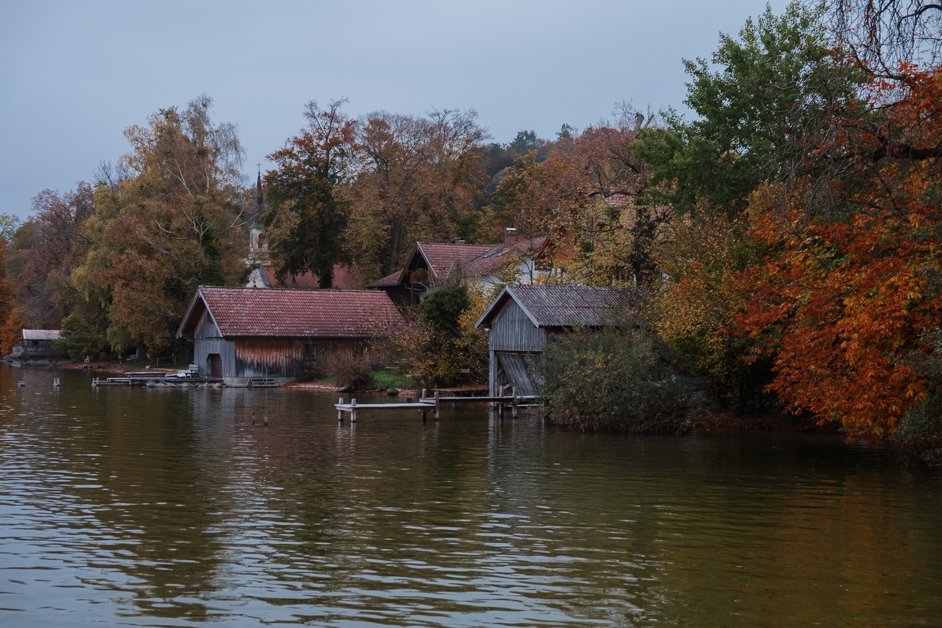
x=257, y=218
x=258, y=251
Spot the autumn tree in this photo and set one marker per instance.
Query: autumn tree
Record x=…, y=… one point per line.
x=43, y=252
x=9, y=321
x=849, y=308
x=307, y=214
x=175, y=223
x=760, y=104
x=589, y=195
x=419, y=179
x=443, y=345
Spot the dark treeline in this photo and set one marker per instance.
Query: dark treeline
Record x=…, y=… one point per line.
x=788, y=229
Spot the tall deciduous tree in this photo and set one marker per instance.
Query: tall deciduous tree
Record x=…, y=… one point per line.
x=9, y=323
x=419, y=179
x=589, y=195
x=45, y=250
x=757, y=100
x=173, y=224
x=850, y=309
x=307, y=214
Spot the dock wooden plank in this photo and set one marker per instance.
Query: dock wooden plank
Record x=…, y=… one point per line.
x=388, y=406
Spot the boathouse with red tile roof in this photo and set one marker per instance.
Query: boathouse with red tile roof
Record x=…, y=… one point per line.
x=244, y=333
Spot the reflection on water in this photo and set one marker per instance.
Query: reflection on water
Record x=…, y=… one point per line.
x=171, y=507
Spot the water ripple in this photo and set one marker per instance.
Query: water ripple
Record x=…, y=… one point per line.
x=172, y=508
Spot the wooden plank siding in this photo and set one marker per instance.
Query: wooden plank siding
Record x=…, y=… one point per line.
x=515, y=345
x=209, y=342
x=512, y=330
x=268, y=358
x=284, y=357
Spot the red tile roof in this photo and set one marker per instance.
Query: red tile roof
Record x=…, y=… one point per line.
x=499, y=255
x=390, y=280
x=443, y=258
x=261, y=313
x=478, y=259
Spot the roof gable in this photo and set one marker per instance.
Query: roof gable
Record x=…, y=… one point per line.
x=566, y=306
x=498, y=256
x=250, y=312
x=443, y=259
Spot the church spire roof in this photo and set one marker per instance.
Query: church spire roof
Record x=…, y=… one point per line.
x=257, y=218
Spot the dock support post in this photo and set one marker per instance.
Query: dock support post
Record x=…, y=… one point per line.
x=424, y=393
x=513, y=402
x=437, y=405
x=339, y=411
x=353, y=410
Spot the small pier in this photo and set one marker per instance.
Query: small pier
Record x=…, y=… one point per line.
x=427, y=404
x=147, y=378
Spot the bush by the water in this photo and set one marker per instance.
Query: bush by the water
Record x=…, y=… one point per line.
x=349, y=371
x=617, y=379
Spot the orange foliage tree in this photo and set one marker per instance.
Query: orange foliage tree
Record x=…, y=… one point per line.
x=848, y=306
x=9, y=327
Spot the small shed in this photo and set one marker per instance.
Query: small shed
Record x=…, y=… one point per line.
x=243, y=333
x=523, y=318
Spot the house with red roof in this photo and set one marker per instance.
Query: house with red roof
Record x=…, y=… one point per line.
x=434, y=264
x=244, y=333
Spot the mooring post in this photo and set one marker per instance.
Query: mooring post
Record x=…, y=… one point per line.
x=513, y=402
x=340, y=411
x=437, y=405
x=353, y=410
x=424, y=392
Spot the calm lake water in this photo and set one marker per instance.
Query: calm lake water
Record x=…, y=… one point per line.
x=168, y=507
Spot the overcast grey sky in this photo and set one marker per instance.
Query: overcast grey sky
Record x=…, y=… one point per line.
x=75, y=74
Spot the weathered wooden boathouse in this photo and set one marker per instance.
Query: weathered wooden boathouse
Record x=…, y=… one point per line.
x=245, y=333
x=39, y=345
x=523, y=318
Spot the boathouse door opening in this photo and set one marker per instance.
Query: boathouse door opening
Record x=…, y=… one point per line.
x=214, y=365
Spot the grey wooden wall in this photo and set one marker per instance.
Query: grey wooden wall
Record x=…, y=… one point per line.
x=511, y=330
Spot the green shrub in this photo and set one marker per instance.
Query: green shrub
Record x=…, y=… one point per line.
x=616, y=379
x=442, y=309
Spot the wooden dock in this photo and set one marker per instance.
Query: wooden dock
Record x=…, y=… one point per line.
x=152, y=379
x=433, y=404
